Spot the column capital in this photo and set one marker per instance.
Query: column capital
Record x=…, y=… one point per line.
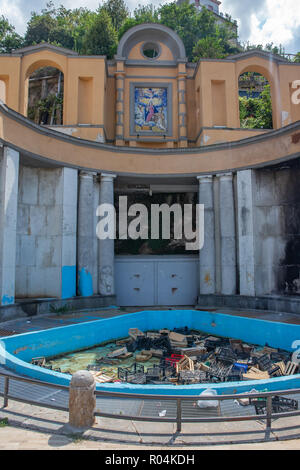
x=87, y=174
x=225, y=176
x=205, y=179
x=107, y=177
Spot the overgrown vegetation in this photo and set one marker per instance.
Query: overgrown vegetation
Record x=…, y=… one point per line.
x=256, y=113
x=3, y=422
x=60, y=310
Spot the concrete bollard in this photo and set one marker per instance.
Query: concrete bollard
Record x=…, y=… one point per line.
x=82, y=400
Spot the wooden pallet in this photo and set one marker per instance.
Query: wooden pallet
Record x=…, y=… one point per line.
x=291, y=368
x=184, y=364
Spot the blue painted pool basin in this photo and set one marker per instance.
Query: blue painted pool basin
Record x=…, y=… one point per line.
x=17, y=351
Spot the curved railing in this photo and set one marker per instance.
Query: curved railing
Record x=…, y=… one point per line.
x=179, y=401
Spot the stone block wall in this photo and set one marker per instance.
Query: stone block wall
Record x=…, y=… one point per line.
x=46, y=233
x=277, y=230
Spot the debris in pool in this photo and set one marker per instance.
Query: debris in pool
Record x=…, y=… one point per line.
x=162, y=413
x=118, y=352
x=181, y=356
x=38, y=361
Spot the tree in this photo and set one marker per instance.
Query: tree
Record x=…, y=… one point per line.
x=118, y=12
x=208, y=47
x=40, y=26
x=59, y=26
x=193, y=26
x=141, y=14
x=256, y=113
x=297, y=57
x=101, y=37
x=9, y=39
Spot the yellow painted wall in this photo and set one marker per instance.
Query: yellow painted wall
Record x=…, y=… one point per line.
x=211, y=92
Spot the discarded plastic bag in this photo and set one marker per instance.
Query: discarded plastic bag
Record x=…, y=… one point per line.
x=208, y=403
x=163, y=413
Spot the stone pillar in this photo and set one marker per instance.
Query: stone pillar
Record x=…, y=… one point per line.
x=120, y=79
x=107, y=246
x=227, y=234
x=8, y=224
x=182, y=110
x=86, y=234
x=207, y=254
x=82, y=400
x=69, y=232
x=245, y=210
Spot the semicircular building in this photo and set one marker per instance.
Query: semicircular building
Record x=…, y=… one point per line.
x=149, y=129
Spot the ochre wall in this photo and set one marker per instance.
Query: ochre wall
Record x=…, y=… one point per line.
x=63, y=150
x=212, y=99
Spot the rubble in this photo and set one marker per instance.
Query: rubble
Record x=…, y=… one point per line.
x=186, y=356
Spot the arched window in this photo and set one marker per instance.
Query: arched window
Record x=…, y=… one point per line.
x=255, y=101
x=45, y=96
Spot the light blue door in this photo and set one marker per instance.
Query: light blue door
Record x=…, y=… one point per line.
x=156, y=280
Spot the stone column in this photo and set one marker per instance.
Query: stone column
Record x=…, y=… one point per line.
x=82, y=400
x=120, y=79
x=86, y=234
x=69, y=182
x=182, y=110
x=8, y=224
x=227, y=234
x=107, y=246
x=245, y=210
x=207, y=254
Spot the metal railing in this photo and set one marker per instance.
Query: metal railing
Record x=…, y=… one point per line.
x=179, y=399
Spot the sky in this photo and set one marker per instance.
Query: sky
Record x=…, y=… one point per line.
x=260, y=21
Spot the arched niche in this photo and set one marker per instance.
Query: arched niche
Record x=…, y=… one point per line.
x=44, y=93
x=256, y=85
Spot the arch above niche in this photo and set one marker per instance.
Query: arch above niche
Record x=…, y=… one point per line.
x=151, y=33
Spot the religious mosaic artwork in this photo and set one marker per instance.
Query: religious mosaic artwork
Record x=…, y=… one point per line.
x=151, y=110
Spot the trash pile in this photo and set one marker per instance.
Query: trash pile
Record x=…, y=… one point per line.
x=187, y=356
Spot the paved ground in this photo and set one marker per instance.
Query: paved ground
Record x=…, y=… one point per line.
x=21, y=439
x=33, y=427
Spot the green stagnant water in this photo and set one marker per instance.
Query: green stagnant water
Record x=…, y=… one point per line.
x=73, y=362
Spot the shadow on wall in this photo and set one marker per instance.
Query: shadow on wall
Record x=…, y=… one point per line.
x=289, y=276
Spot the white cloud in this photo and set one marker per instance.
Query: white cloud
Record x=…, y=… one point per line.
x=266, y=21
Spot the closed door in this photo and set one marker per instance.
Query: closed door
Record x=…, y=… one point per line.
x=160, y=280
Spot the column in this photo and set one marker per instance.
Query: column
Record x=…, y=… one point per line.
x=245, y=191
x=86, y=234
x=120, y=79
x=106, y=246
x=227, y=234
x=182, y=111
x=69, y=181
x=207, y=254
x=8, y=224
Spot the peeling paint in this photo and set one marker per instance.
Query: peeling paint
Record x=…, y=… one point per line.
x=17, y=351
x=85, y=284
x=7, y=300
x=68, y=282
